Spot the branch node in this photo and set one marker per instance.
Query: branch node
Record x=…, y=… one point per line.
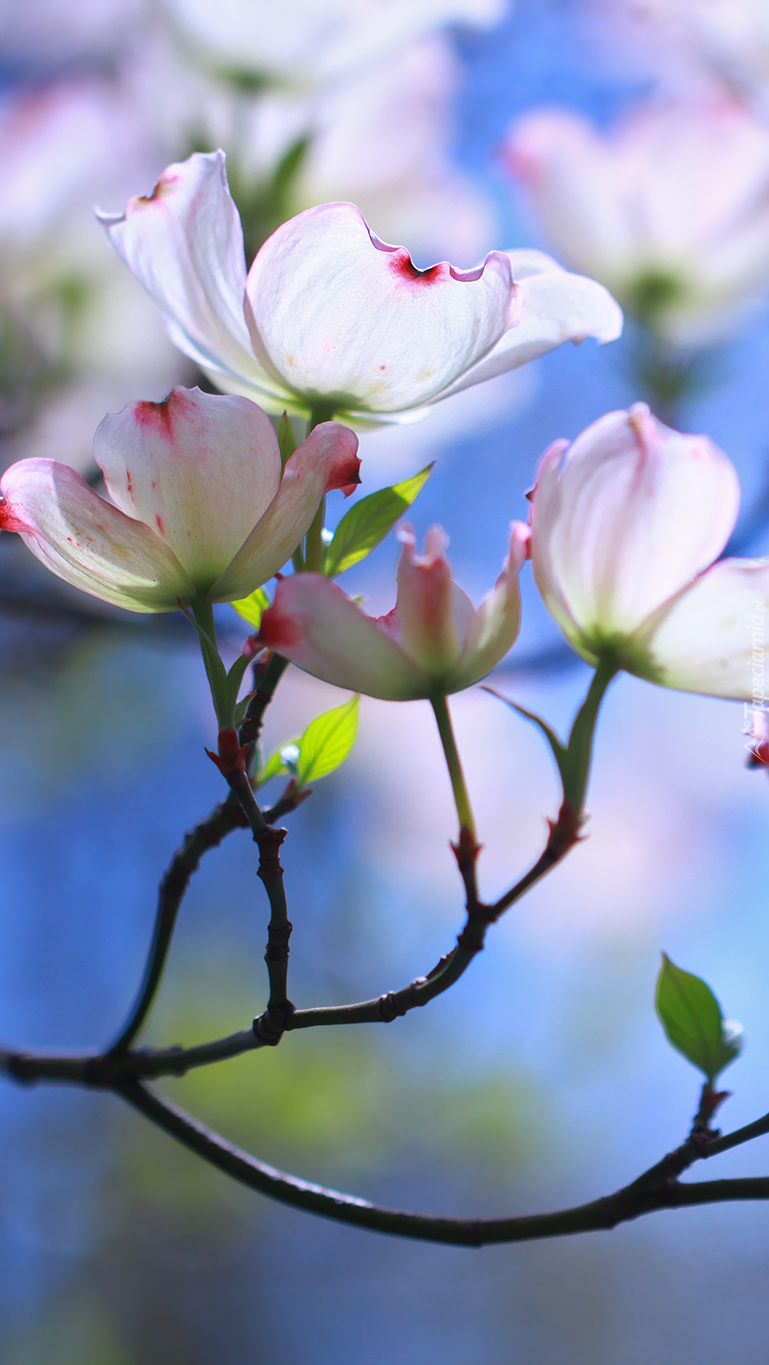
x=391, y=1008
x=473, y=936
x=277, y=946
x=269, y=842
x=270, y=1026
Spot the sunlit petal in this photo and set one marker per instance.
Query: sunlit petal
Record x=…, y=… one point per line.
x=625, y=518
x=558, y=307
x=343, y=318
x=199, y=469
x=314, y=623
x=86, y=541
x=712, y=637
x=185, y=244
x=326, y=460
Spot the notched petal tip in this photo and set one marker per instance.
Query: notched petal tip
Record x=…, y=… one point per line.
x=343, y=470
x=520, y=544
x=436, y=544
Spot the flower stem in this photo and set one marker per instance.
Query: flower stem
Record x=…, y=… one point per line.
x=216, y=673
x=580, y=747
x=313, y=545
x=451, y=753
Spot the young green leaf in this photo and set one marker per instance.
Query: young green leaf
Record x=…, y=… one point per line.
x=280, y=762
x=326, y=742
x=286, y=440
x=251, y=607
x=367, y=523
x=691, y=1017
x=560, y=751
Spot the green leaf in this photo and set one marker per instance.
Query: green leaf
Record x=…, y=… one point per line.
x=234, y=680
x=691, y=1017
x=326, y=742
x=367, y=523
x=286, y=440
x=280, y=762
x=560, y=751
x=251, y=607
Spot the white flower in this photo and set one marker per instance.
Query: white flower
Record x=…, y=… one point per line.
x=314, y=42
x=198, y=510
x=331, y=317
x=626, y=523
x=432, y=642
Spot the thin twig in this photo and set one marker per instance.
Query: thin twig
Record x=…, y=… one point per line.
x=226, y=817
x=267, y=676
x=208, y=834
x=279, y=1007
x=270, y=1026
x=657, y=1188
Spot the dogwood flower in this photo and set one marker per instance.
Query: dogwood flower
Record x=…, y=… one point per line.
x=669, y=210
x=626, y=524
x=331, y=317
x=198, y=508
x=432, y=643
x=317, y=42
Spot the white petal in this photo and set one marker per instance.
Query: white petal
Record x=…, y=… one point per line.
x=198, y=469
x=327, y=459
x=428, y=602
x=338, y=316
x=558, y=307
x=713, y=637
x=314, y=623
x=184, y=243
x=636, y=511
x=495, y=625
x=87, y=542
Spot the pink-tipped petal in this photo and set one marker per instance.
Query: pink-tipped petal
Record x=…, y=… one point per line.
x=625, y=519
x=184, y=243
x=558, y=307
x=326, y=460
x=712, y=637
x=315, y=624
x=87, y=542
x=336, y=314
x=199, y=469
x=433, y=621
x=496, y=623
x=520, y=544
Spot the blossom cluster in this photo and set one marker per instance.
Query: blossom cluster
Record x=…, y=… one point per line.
x=627, y=522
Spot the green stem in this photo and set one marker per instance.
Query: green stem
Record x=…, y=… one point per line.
x=580, y=746
x=451, y=753
x=313, y=546
x=203, y=612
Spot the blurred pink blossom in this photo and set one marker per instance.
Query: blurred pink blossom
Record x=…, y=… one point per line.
x=305, y=43
x=670, y=210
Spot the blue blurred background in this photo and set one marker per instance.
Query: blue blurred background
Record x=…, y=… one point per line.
x=543, y=1077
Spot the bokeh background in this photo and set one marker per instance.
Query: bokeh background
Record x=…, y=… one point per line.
x=543, y=1078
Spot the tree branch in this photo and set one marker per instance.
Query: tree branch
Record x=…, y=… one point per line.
x=656, y=1189
x=226, y=817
